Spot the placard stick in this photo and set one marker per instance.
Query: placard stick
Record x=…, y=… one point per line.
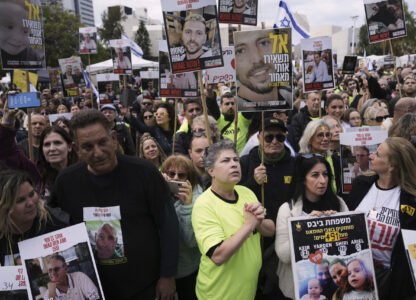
x=395, y=68
x=235, y=121
x=92, y=96
x=320, y=104
x=262, y=155
x=174, y=125
x=204, y=106
x=29, y=121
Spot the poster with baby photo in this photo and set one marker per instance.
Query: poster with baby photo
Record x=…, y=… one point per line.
x=22, y=45
x=60, y=265
x=12, y=283
x=238, y=11
x=357, y=146
x=318, y=69
x=331, y=257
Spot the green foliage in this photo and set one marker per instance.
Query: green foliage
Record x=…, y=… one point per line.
x=142, y=39
x=401, y=46
x=112, y=28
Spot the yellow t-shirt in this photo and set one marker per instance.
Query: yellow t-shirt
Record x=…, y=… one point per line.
x=242, y=129
x=214, y=221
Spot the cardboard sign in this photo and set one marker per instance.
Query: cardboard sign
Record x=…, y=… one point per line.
x=88, y=40
x=238, y=11
x=12, y=283
x=24, y=100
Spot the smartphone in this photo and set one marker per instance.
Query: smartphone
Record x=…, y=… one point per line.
x=174, y=186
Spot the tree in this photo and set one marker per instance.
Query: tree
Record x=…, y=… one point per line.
x=401, y=46
x=112, y=28
x=142, y=39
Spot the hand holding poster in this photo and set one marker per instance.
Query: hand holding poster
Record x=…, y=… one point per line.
x=21, y=35
x=385, y=19
x=317, y=64
x=12, y=283
x=88, y=40
x=193, y=35
x=226, y=73
x=331, y=257
x=121, y=55
x=238, y=11
x=263, y=60
x=62, y=263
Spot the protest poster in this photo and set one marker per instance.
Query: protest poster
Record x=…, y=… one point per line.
x=24, y=100
x=108, y=87
x=388, y=62
x=263, y=63
x=55, y=78
x=49, y=259
x=193, y=35
x=409, y=240
x=335, y=246
x=73, y=78
x=88, y=40
x=12, y=283
x=174, y=85
x=385, y=19
x=22, y=45
x=317, y=68
x=356, y=148
x=19, y=79
x=348, y=66
x=121, y=56
x=54, y=117
x=238, y=11
x=226, y=73
x=335, y=59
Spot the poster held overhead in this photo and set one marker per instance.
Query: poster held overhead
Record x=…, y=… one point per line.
x=348, y=66
x=72, y=74
x=88, y=40
x=193, y=35
x=238, y=11
x=263, y=62
x=318, y=72
x=226, y=73
x=385, y=19
x=121, y=56
x=108, y=87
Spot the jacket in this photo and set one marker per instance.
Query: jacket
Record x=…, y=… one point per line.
x=299, y=123
x=282, y=244
x=183, y=139
x=124, y=138
x=401, y=284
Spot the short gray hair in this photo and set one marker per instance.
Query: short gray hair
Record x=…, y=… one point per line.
x=213, y=151
x=213, y=125
x=310, y=130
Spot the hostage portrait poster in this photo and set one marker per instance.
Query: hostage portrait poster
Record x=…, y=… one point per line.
x=263, y=64
x=238, y=11
x=331, y=257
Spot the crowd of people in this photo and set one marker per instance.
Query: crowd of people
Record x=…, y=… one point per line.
x=190, y=203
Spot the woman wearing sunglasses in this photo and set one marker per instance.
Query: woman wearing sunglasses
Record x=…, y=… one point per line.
x=150, y=149
x=311, y=195
x=228, y=220
x=179, y=168
x=374, y=116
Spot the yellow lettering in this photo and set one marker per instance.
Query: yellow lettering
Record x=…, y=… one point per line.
x=283, y=43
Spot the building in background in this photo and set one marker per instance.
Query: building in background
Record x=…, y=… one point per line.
x=83, y=8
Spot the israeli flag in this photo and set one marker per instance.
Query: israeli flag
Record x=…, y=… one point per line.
x=90, y=85
x=368, y=63
x=285, y=19
x=133, y=46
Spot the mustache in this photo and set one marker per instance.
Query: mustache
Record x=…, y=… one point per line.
x=256, y=68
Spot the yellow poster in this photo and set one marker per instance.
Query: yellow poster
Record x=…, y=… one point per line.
x=19, y=78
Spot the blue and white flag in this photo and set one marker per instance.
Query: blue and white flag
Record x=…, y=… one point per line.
x=90, y=85
x=133, y=46
x=368, y=63
x=32, y=87
x=285, y=19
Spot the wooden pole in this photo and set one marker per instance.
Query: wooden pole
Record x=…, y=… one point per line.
x=235, y=121
x=29, y=123
x=320, y=104
x=262, y=155
x=204, y=106
x=395, y=68
x=174, y=125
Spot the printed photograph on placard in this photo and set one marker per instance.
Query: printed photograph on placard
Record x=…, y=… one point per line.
x=55, y=78
x=72, y=72
x=174, y=85
x=60, y=265
x=357, y=144
x=22, y=45
x=348, y=66
x=88, y=40
x=409, y=240
x=12, y=283
x=193, y=35
x=238, y=11
x=335, y=59
x=225, y=73
x=108, y=87
x=331, y=257
x=385, y=19
x=121, y=56
x=318, y=71
x=263, y=64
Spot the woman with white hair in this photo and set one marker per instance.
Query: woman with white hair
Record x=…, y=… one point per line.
x=374, y=116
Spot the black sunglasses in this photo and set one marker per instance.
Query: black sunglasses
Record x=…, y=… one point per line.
x=380, y=118
x=147, y=103
x=270, y=137
x=199, y=134
x=148, y=117
x=310, y=155
x=172, y=174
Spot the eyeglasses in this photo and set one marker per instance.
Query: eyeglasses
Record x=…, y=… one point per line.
x=310, y=155
x=147, y=103
x=195, y=109
x=199, y=134
x=379, y=118
x=148, y=117
x=161, y=114
x=56, y=269
x=270, y=137
x=172, y=174
x=321, y=135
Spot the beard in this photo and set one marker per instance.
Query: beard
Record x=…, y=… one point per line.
x=194, y=51
x=236, y=5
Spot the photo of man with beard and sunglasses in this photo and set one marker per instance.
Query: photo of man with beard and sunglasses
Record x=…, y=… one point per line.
x=264, y=69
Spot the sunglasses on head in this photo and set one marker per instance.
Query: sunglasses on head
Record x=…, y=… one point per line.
x=380, y=118
x=172, y=174
x=270, y=137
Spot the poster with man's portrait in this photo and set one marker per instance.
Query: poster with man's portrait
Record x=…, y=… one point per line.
x=318, y=70
x=348, y=66
x=238, y=11
x=12, y=283
x=331, y=257
x=60, y=265
x=88, y=40
x=121, y=56
x=22, y=45
x=72, y=75
x=175, y=85
x=357, y=145
x=385, y=19
x=193, y=35
x=108, y=87
x=263, y=64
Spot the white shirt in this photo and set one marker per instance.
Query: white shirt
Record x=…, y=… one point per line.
x=80, y=287
x=384, y=227
x=89, y=45
x=320, y=72
x=124, y=64
x=354, y=295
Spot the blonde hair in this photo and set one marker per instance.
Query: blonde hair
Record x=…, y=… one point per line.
x=145, y=137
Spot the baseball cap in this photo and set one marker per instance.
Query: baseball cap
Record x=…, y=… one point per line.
x=274, y=122
x=108, y=106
